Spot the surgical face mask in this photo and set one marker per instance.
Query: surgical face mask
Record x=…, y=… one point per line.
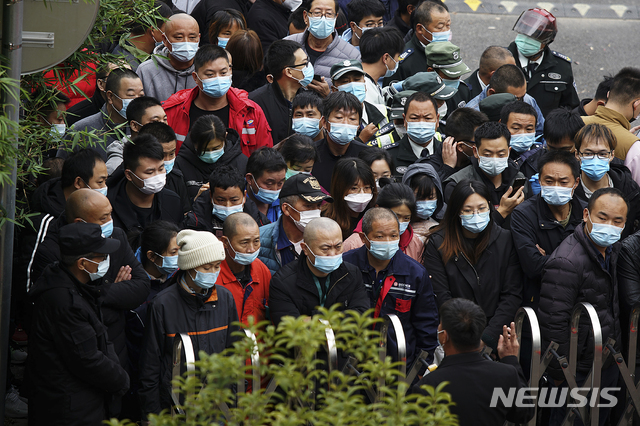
x=322, y=27
x=476, y=222
x=391, y=72
x=556, y=195
x=292, y=5
x=243, y=258
x=107, y=229
x=58, y=130
x=216, y=87
x=425, y=208
x=125, y=104
x=326, y=264
x=103, y=267
x=403, y=227
x=356, y=88
x=442, y=110
x=358, y=202
x=527, y=46
x=383, y=250
x=439, y=35
x=205, y=279
x=342, y=133
x=102, y=191
x=305, y=217
x=522, y=142
x=266, y=196
x=212, y=156
x=291, y=173
x=362, y=30
x=493, y=166
x=451, y=83
x=594, y=168
x=223, y=212
x=168, y=165
x=421, y=131
x=308, y=73
x=169, y=264
x=152, y=185
x=222, y=42
x=183, y=51
x=604, y=235
x=306, y=126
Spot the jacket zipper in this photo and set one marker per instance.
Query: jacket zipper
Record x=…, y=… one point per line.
x=472, y=267
x=337, y=281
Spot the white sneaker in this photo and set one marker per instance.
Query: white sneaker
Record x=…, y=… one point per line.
x=18, y=356
x=14, y=408
x=14, y=389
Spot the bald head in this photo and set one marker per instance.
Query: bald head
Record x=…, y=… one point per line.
x=493, y=58
x=377, y=215
x=88, y=205
x=181, y=21
x=239, y=223
x=319, y=228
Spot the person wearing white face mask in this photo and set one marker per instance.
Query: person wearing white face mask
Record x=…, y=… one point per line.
x=341, y=114
x=542, y=222
x=384, y=266
x=363, y=16
x=68, y=300
x=164, y=77
x=300, y=199
x=139, y=196
x=193, y=304
x=318, y=278
x=491, y=165
x=241, y=272
x=213, y=95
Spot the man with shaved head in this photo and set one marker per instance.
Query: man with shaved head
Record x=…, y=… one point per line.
x=318, y=277
x=396, y=284
x=241, y=272
x=170, y=70
x=125, y=285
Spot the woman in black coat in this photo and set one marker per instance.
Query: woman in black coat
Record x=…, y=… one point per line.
x=471, y=257
x=207, y=146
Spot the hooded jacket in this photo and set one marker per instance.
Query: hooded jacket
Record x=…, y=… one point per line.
x=196, y=172
x=117, y=298
x=209, y=320
x=73, y=367
x=574, y=274
x=420, y=168
x=338, y=50
x=494, y=282
x=245, y=117
x=49, y=198
x=162, y=80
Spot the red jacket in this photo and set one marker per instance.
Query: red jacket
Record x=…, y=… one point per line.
x=245, y=117
x=252, y=299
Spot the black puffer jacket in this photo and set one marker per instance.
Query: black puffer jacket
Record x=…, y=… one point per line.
x=196, y=172
x=494, y=282
x=293, y=292
x=628, y=280
x=572, y=275
x=72, y=364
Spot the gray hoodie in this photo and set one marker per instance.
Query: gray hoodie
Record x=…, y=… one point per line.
x=427, y=169
x=162, y=80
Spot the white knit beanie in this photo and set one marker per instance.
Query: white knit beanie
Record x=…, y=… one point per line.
x=198, y=248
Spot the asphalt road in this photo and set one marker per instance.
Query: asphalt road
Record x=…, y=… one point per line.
x=597, y=47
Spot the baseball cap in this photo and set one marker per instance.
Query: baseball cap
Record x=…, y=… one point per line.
x=492, y=105
x=397, y=106
x=305, y=186
x=343, y=67
x=445, y=56
x=429, y=83
x=81, y=238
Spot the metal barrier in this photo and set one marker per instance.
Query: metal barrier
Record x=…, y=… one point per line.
x=181, y=345
x=629, y=376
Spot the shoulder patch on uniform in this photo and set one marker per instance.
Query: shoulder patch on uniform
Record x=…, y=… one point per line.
x=405, y=55
x=462, y=104
x=561, y=56
x=401, y=169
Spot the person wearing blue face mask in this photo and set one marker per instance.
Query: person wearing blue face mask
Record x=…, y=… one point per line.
x=492, y=166
x=363, y=16
x=300, y=154
x=384, y=266
x=292, y=71
x=266, y=173
x=470, y=256
x=583, y=268
x=224, y=24
x=164, y=77
x=341, y=113
x=192, y=303
x=526, y=147
x=426, y=185
x=542, y=222
x=318, y=277
x=241, y=272
x=595, y=145
x=307, y=112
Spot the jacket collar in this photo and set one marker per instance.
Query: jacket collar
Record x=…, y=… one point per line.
x=548, y=221
x=607, y=114
x=305, y=276
x=590, y=249
x=462, y=358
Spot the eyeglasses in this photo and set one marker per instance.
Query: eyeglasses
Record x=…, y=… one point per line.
x=483, y=209
x=299, y=65
x=590, y=155
x=318, y=14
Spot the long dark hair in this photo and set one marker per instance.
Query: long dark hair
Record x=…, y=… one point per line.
x=204, y=130
x=454, y=242
x=156, y=237
x=397, y=194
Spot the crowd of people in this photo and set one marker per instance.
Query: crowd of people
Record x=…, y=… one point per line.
x=262, y=159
